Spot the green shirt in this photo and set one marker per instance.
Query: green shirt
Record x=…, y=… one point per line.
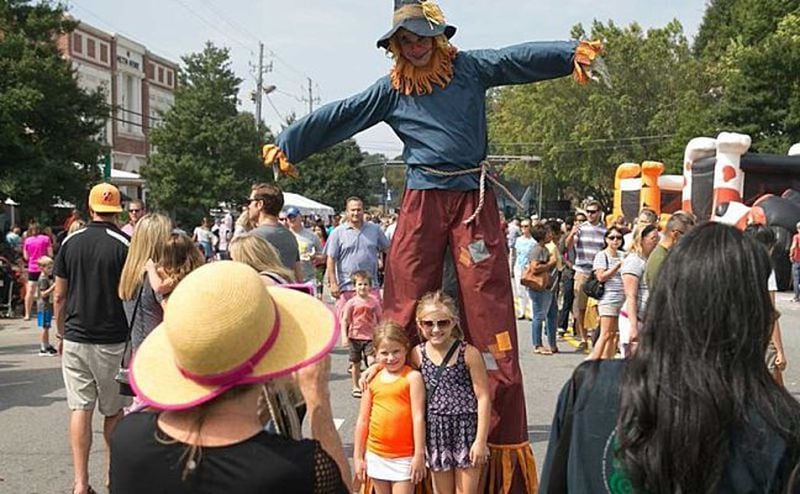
x=654, y=265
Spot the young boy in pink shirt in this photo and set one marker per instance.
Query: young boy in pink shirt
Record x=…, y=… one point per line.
x=360, y=315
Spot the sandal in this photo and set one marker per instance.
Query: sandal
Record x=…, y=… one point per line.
x=545, y=351
x=356, y=393
x=537, y=349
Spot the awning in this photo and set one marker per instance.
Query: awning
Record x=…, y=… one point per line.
x=306, y=206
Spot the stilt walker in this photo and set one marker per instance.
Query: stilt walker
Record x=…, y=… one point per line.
x=434, y=100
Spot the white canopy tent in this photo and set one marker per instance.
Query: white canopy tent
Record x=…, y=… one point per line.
x=306, y=206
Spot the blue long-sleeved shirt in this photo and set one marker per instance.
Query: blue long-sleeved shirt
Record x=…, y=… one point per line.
x=445, y=129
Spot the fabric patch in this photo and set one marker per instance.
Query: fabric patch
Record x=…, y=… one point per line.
x=464, y=257
x=478, y=251
x=504, y=341
x=489, y=361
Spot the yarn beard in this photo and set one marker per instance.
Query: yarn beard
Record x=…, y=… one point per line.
x=411, y=80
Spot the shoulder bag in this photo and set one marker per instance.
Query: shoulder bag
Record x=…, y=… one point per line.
x=594, y=287
x=536, y=276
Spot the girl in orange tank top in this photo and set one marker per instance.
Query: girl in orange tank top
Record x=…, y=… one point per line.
x=389, y=444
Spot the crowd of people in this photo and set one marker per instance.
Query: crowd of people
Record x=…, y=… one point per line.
x=424, y=407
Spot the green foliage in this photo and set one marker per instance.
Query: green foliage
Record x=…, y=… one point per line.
x=48, y=125
x=206, y=151
x=759, y=92
x=332, y=175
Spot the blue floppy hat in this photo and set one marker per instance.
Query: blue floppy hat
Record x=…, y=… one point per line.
x=421, y=17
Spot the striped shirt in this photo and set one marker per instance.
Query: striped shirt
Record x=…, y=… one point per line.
x=588, y=242
x=614, y=293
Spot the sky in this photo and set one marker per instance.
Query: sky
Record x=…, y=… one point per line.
x=333, y=42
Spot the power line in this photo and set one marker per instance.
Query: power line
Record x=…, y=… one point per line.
x=275, y=109
x=212, y=25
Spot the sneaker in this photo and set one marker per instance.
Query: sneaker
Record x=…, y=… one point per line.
x=43, y=352
x=51, y=350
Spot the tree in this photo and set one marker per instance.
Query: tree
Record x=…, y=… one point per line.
x=206, y=151
x=332, y=175
x=752, y=55
x=48, y=124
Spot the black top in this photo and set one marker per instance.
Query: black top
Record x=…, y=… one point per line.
x=757, y=461
x=91, y=261
x=144, y=459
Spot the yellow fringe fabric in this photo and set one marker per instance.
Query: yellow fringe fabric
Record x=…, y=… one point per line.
x=427, y=9
x=409, y=79
x=585, y=54
x=272, y=153
x=505, y=459
x=433, y=13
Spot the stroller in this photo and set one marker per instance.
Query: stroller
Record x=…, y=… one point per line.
x=11, y=288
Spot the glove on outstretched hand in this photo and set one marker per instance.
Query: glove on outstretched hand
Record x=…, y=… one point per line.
x=273, y=156
x=589, y=64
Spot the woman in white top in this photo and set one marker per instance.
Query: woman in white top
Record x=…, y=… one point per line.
x=606, y=267
x=205, y=238
x=645, y=240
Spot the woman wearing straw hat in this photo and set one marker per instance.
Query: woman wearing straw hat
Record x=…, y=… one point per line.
x=224, y=333
x=434, y=100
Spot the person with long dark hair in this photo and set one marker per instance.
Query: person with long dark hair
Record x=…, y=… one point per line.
x=695, y=409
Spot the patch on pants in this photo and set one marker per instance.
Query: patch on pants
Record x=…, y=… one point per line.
x=478, y=251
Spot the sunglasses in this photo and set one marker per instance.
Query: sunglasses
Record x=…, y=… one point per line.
x=614, y=237
x=442, y=323
x=249, y=200
x=134, y=210
x=592, y=211
x=284, y=218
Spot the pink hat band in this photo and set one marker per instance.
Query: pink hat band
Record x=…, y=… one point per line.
x=235, y=375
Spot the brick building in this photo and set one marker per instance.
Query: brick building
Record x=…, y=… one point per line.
x=139, y=87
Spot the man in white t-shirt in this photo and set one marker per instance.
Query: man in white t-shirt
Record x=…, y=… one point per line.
x=309, y=246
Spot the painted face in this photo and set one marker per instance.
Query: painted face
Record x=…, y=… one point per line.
x=362, y=287
x=436, y=325
x=392, y=355
x=355, y=212
x=418, y=50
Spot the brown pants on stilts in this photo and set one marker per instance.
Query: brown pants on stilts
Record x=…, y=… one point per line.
x=429, y=221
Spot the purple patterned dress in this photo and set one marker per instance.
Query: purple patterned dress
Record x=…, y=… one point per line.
x=452, y=413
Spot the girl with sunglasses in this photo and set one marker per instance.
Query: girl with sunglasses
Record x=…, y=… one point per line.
x=458, y=402
x=607, y=264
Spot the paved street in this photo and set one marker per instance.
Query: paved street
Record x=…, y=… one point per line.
x=34, y=452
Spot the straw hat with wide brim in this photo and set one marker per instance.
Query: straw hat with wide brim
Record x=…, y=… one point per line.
x=421, y=17
x=222, y=327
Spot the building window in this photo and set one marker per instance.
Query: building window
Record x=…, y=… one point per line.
x=161, y=75
x=77, y=43
x=151, y=71
x=90, y=48
x=103, y=52
x=169, y=78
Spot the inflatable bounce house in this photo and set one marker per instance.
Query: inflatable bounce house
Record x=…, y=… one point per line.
x=721, y=181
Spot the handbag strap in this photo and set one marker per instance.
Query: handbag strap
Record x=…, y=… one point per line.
x=125, y=356
x=440, y=369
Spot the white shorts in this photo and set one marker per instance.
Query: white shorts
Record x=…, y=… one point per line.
x=390, y=469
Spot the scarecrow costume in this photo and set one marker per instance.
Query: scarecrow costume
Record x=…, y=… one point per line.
x=439, y=112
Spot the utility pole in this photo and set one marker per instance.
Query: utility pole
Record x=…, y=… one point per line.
x=311, y=99
x=259, y=90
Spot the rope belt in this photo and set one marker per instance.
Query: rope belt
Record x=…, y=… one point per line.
x=483, y=167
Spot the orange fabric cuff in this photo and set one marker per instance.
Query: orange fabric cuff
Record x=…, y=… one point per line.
x=585, y=54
